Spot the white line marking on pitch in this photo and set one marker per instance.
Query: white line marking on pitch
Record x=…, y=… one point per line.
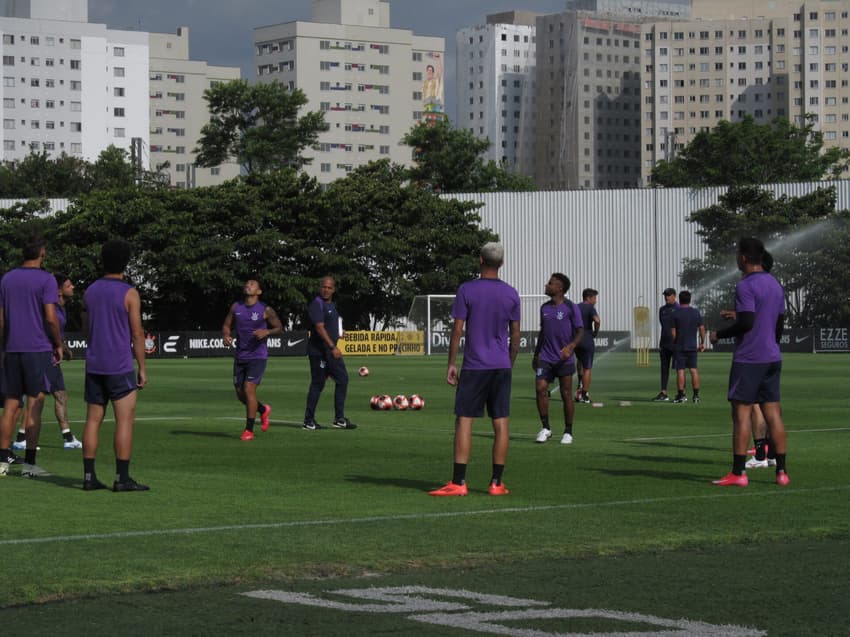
x=409, y=516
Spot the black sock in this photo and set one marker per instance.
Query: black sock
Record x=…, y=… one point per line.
x=568, y=428
x=122, y=470
x=498, y=470
x=22, y=435
x=544, y=420
x=459, y=473
x=780, y=462
x=67, y=436
x=261, y=408
x=696, y=392
x=738, y=463
x=761, y=452
x=88, y=470
x=29, y=456
x=249, y=424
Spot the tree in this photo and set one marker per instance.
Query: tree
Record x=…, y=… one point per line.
x=449, y=160
x=745, y=152
x=111, y=170
x=258, y=126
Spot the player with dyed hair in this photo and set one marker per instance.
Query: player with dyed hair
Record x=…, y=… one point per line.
x=757, y=361
x=561, y=331
x=488, y=309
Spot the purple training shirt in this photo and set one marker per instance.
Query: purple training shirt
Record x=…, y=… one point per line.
x=761, y=293
x=487, y=306
x=558, y=325
x=109, y=350
x=23, y=293
x=248, y=319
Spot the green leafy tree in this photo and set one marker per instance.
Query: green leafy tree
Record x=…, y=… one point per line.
x=450, y=160
x=111, y=170
x=258, y=126
x=745, y=152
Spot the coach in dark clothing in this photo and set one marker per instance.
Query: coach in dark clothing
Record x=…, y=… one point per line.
x=666, y=346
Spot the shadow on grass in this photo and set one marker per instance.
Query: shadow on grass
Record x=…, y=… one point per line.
x=648, y=473
x=664, y=459
x=204, y=434
x=401, y=483
x=679, y=445
x=59, y=481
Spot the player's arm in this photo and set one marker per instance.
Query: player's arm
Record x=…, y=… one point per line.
x=227, y=326
x=597, y=322
x=702, y=337
x=744, y=322
x=2, y=329
x=133, y=303
x=274, y=322
x=514, y=346
x=454, y=347
x=568, y=349
x=327, y=340
x=53, y=330
x=537, y=346
x=780, y=322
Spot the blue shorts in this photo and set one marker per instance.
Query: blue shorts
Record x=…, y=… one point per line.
x=479, y=387
x=550, y=371
x=27, y=373
x=57, y=378
x=101, y=388
x=250, y=371
x=754, y=382
x=685, y=360
x=584, y=355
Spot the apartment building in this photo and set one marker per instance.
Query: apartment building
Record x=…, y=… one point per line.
x=732, y=59
x=496, y=86
x=371, y=81
x=178, y=110
x=69, y=86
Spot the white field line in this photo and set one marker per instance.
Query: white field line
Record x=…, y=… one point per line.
x=413, y=516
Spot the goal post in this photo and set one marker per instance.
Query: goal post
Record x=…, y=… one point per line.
x=432, y=314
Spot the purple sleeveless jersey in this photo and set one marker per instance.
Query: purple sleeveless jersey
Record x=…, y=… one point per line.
x=109, y=350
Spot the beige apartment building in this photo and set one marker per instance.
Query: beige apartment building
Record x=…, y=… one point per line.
x=372, y=82
x=178, y=110
x=767, y=59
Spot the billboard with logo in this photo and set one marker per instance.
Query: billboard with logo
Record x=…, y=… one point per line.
x=801, y=340
x=605, y=341
x=832, y=339
x=198, y=344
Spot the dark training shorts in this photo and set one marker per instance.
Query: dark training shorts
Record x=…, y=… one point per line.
x=584, y=355
x=27, y=373
x=101, y=388
x=685, y=360
x=479, y=387
x=754, y=382
x=250, y=371
x=550, y=371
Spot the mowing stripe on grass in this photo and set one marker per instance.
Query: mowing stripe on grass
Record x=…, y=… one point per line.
x=726, y=434
x=410, y=516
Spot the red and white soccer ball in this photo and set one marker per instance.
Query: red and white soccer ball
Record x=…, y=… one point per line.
x=385, y=402
x=416, y=402
x=400, y=402
x=363, y=371
x=373, y=402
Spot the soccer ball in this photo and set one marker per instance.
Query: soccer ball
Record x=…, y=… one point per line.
x=384, y=402
x=375, y=402
x=416, y=402
x=363, y=371
x=400, y=402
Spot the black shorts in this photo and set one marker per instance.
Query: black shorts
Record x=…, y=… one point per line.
x=754, y=382
x=685, y=360
x=250, y=371
x=57, y=378
x=550, y=371
x=479, y=387
x=101, y=388
x=584, y=355
x=27, y=373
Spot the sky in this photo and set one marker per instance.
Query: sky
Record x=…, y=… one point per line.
x=221, y=32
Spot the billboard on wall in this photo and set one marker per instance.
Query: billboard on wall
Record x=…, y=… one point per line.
x=433, y=97
x=604, y=341
x=832, y=339
x=800, y=340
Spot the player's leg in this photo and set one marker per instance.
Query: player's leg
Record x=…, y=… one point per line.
x=34, y=409
x=499, y=409
x=695, y=384
x=566, y=385
x=772, y=410
x=338, y=372
x=124, y=408
x=7, y=427
x=96, y=399
x=318, y=377
x=541, y=386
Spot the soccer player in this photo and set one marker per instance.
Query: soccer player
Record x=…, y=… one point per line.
x=113, y=326
x=687, y=325
x=57, y=380
x=254, y=322
x=489, y=309
x=666, y=349
x=587, y=347
x=32, y=344
x=756, y=362
x=561, y=331
x=325, y=357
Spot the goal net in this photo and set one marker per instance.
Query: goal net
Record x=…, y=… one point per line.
x=432, y=314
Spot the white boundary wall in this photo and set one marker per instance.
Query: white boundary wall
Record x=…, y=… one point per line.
x=628, y=244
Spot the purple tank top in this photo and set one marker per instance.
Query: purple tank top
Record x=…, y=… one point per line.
x=109, y=348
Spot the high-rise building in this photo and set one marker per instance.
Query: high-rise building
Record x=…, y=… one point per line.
x=733, y=59
x=178, y=110
x=372, y=82
x=69, y=86
x=496, y=85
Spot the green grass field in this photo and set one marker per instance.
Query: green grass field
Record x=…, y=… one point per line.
x=625, y=519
